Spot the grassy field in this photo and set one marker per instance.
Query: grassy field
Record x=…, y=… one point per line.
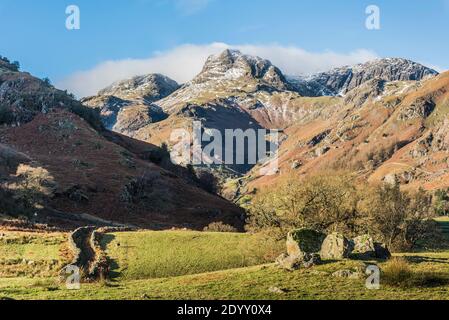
x=31, y=254
x=182, y=265
x=145, y=255
x=246, y=284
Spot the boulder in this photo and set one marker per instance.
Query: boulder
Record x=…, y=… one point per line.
x=303, y=241
x=335, y=247
x=310, y=260
x=290, y=263
x=381, y=251
x=363, y=247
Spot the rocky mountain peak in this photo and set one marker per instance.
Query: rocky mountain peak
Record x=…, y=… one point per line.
x=340, y=81
x=151, y=87
x=234, y=65
x=132, y=98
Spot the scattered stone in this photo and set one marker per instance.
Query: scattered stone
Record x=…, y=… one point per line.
x=335, y=247
x=296, y=165
x=287, y=262
x=310, y=260
x=391, y=179
x=348, y=274
x=321, y=151
x=293, y=263
x=277, y=290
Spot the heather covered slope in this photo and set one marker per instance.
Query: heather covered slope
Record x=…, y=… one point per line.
x=85, y=170
x=383, y=131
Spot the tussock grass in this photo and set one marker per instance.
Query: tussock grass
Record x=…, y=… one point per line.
x=398, y=272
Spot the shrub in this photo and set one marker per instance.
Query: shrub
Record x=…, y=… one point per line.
x=335, y=203
x=8, y=205
x=219, y=227
x=6, y=116
x=16, y=65
x=397, y=272
x=33, y=186
x=441, y=202
x=90, y=115
x=208, y=181
x=325, y=202
x=47, y=81
x=398, y=218
x=159, y=155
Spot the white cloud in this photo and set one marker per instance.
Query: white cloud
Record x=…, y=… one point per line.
x=184, y=62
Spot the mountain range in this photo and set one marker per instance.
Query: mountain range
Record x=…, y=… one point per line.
x=384, y=120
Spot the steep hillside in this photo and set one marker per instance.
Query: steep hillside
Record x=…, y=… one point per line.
x=233, y=91
x=384, y=131
x=90, y=173
x=385, y=119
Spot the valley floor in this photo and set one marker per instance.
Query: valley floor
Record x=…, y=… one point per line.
x=139, y=280
x=246, y=284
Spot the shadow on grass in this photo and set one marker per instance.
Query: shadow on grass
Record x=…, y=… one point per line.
x=113, y=265
x=419, y=280
x=421, y=259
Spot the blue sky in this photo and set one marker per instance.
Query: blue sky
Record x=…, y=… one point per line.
x=34, y=33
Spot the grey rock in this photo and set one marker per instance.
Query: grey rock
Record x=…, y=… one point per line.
x=335, y=247
x=151, y=87
x=287, y=262
x=304, y=241
x=348, y=274
x=277, y=290
x=342, y=80
x=363, y=247
x=310, y=260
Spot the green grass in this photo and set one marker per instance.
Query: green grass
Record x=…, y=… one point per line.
x=30, y=254
x=143, y=255
x=147, y=261
x=252, y=283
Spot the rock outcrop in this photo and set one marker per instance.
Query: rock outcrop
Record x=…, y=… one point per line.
x=307, y=248
x=335, y=247
x=340, y=81
x=128, y=105
x=304, y=241
x=303, y=247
